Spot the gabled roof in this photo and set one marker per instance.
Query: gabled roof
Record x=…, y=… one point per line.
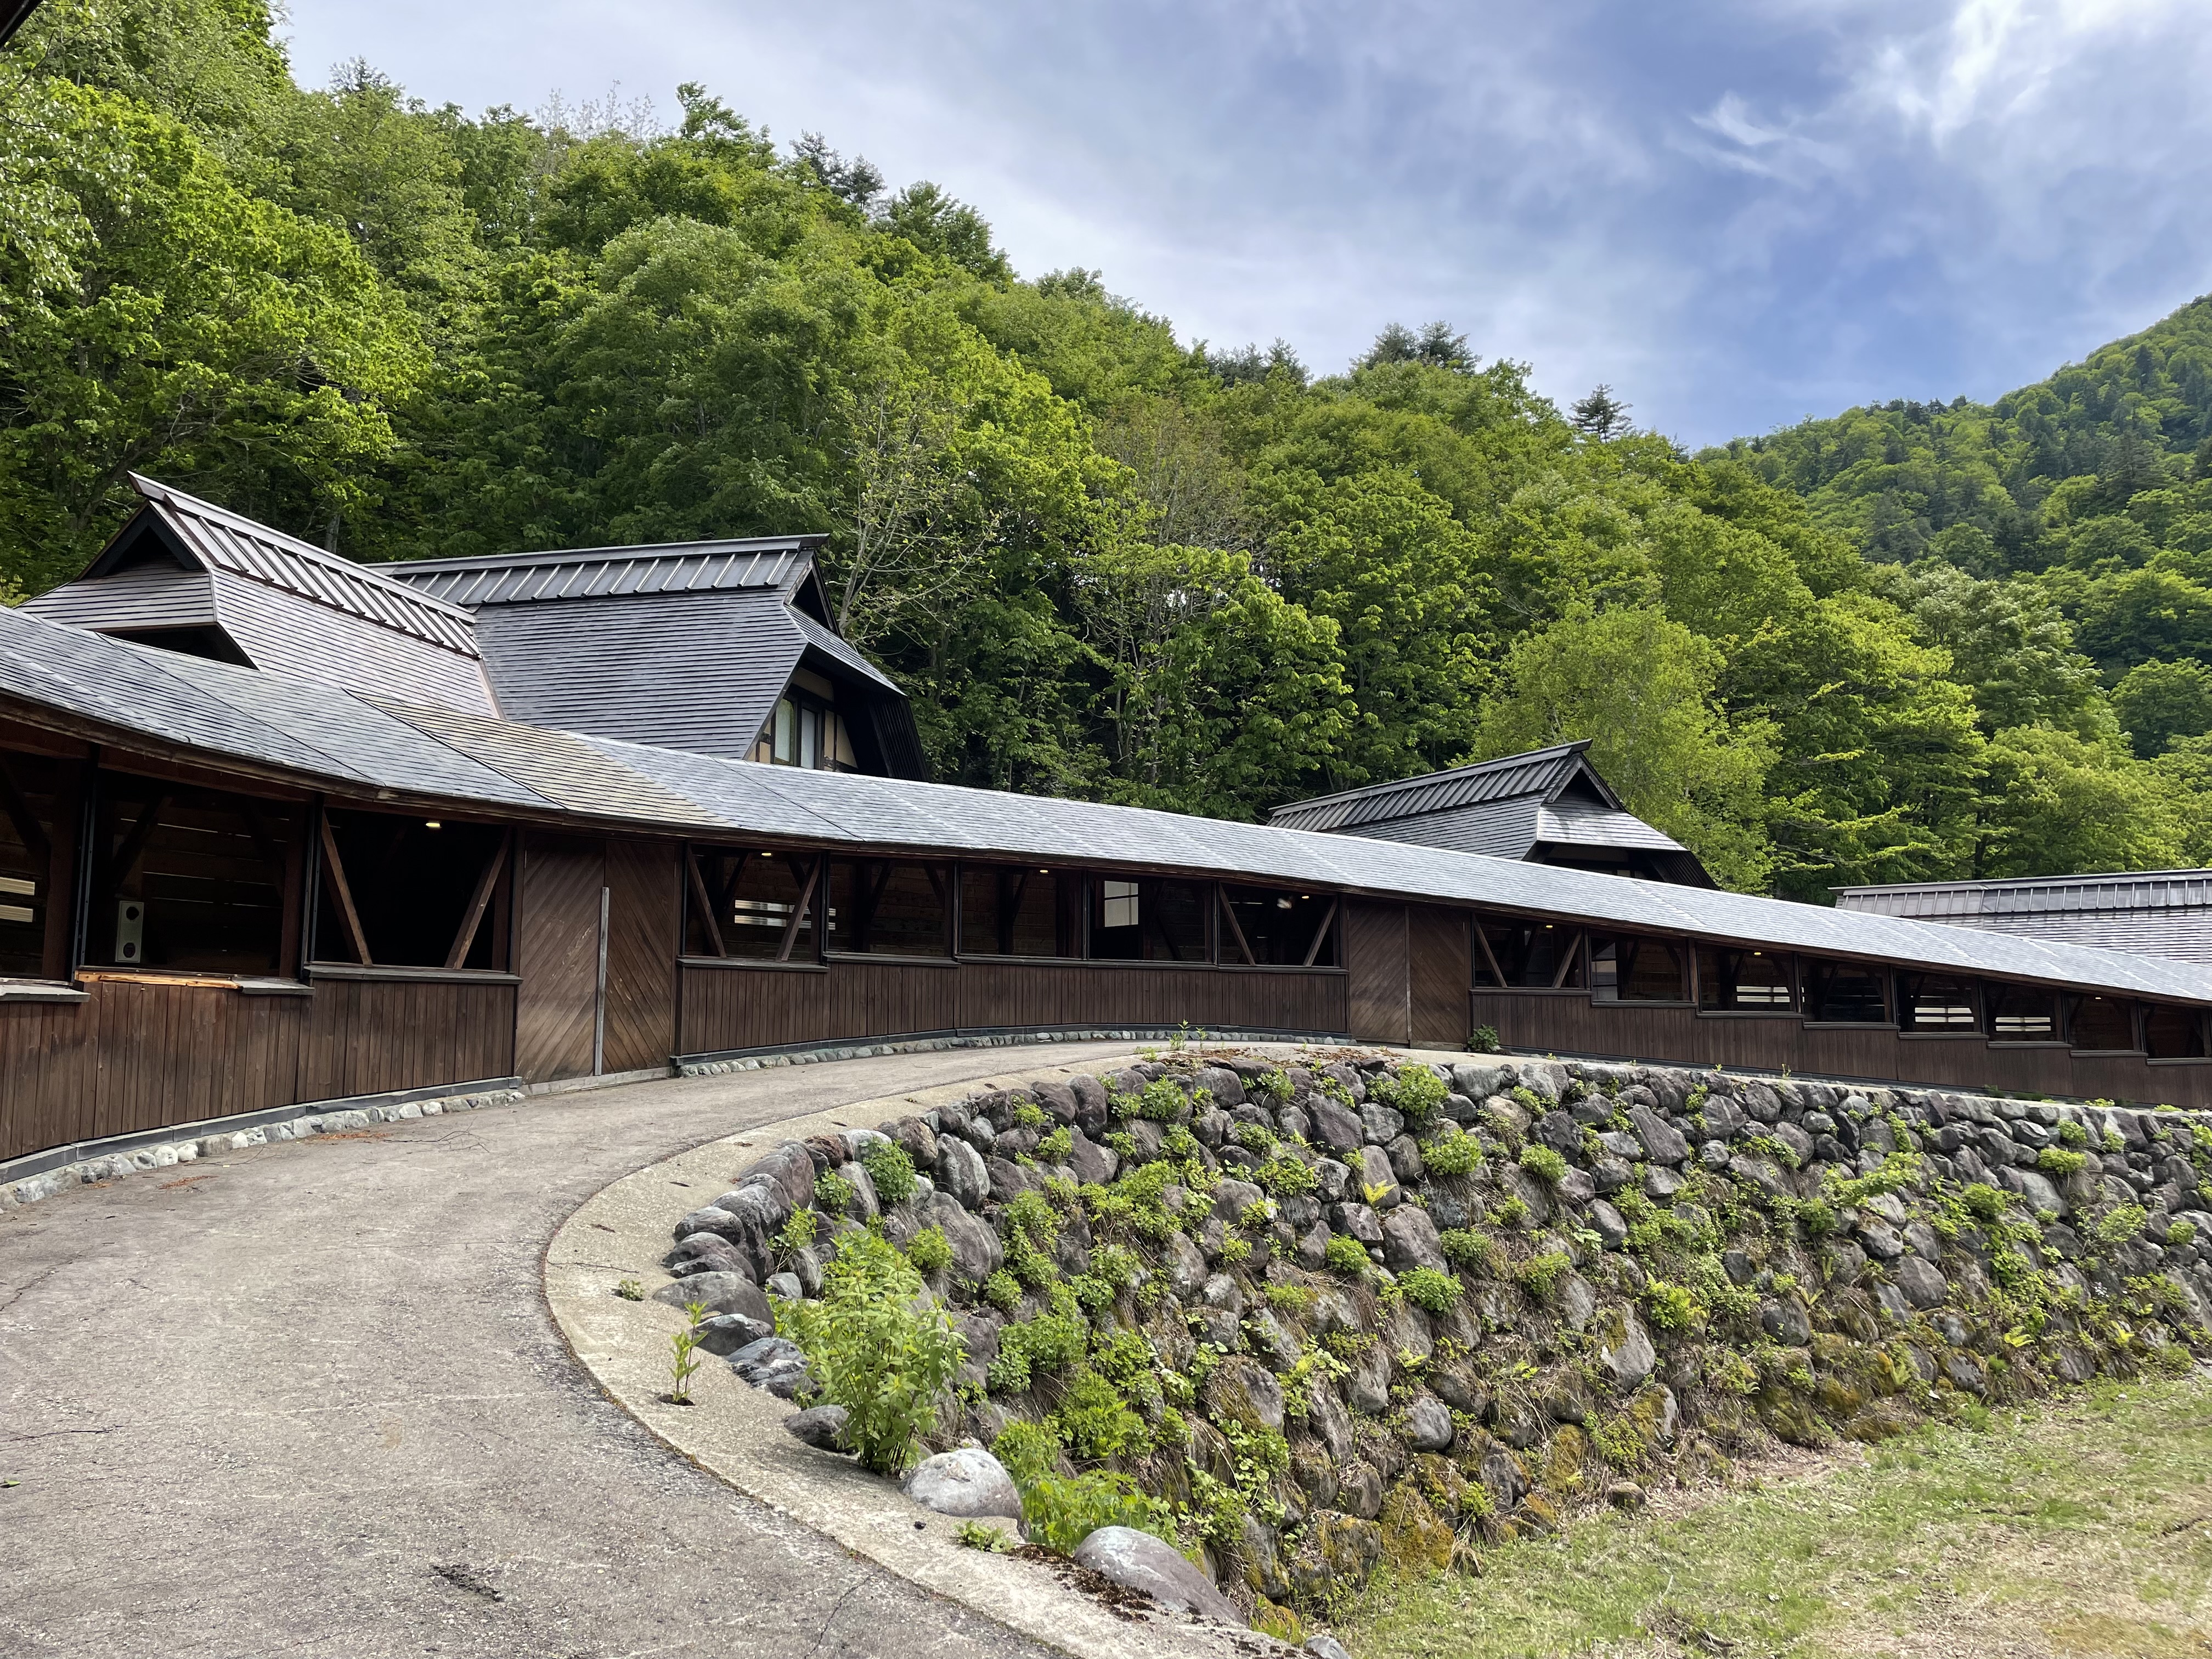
x=316, y=732
x=1544, y=774
x=782, y=562
x=184, y=571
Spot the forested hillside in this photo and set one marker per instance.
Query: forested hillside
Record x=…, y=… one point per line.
x=1107, y=561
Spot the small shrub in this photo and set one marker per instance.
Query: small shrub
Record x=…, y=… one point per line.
x=1769, y=1147
x=1546, y=1165
x=1416, y=1092
x=1464, y=1247
x=833, y=1193
x=1540, y=1275
x=982, y=1535
x=1347, y=1256
x=2061, y=1161
x=1672, y=1307
x=1056, y=1147
x=1062, y=1512
x=1982, y=1201
x=930, y=1251
x=1483, y=1040
x=1818, y=1218
x=2181, y=1232
x=801, y=1231
x=1030, y=1226
x=1427, y=1288
x=1235, y=1252
x=1254, y=1139
x=1512, y=1213
x=684, y=1362
x=1274, y=1084
x=1028, y=1115
x=630, y=1291
x=2072, y=1134
x=1094, y=1421
x=879, y=1352
x=1298, y=1299
x=1286, y=1177
x=891, y=1170
x=1002, y=1291
x=2124, y=1223
x=1453, y=1155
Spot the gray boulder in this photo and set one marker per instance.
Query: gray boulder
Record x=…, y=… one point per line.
x=723, y=1334
x=1092, y=1162
x=1326, y=1647
x=967, y=1481
x=1662, y=1142
x=719, y=1293
x=960, y=1172
x=820, y=1426
x=1923, y=1285
x=1428, y=1425
x=1409, y=1241
x=1625, y=1349
x=1380, y=1125
x=1137, y=1560
x=1379, y=1181
x=1336, y=1128
x=977, y=1252
x=1185, y=1266
x=774, y=1363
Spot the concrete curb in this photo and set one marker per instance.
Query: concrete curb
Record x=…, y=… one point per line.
x=735, y=1432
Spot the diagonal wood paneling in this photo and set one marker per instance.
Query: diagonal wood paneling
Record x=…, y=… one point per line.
x=557, y=954
x=641, y=944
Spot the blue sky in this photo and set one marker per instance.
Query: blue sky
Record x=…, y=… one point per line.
x=1737, y=212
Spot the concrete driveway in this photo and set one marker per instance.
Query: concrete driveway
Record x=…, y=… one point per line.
x=307, y=1399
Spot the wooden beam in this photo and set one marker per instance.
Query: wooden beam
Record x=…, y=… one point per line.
x=17, y=805
x=479, y=901
x=133, y=847
x=798, y=910
x=1489, y=956
x=1567, y=961
x=698, y=884
x=334, y=873
x=1235, y=927
x=1320, y=933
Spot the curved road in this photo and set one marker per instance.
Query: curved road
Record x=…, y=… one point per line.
x=307, y=1399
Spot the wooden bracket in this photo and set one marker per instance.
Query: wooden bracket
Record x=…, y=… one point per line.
x=334, y=873
x=1320, y=933
x=798, y=910
x=1235, y=927
x=479, y=901
x=706, y=901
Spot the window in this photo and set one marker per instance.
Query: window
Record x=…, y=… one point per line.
x=1007, y=912
x=2172, y=1033
x=1277, y=928
x=1529, y=956
x=1936, y=1002
x=1846, y=994
x=878, y=907
x=1745, y=982
x=32, y=790
x=2021, y=1013
x=2101, y=1024
x=411, y=892
x=1631, y=968
x=807, y=733
x=189, y=878
x=1149, y=921
x=750, y=906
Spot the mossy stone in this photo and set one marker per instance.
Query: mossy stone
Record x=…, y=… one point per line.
x=1414, y=1537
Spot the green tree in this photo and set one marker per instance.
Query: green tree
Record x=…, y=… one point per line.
x=1640, y=686
x=2160, y=702
x=2058, y=805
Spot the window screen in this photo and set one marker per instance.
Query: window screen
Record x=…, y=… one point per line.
x=1279, y=927
x=1749, y=981
x=1631, y=968
x=879, y=907
x=189, y=878
x=1529, y=956
x=425, y=892
x=31, y=791
x=1006, y=912
x=1149, y=921
x=2021, y=1013
x=1936, y=1002
x=1846, y=994
x=752, y=898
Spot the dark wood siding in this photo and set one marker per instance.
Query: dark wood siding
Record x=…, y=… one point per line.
x=1439, y=972
x=1375, y=955
x=367, y=1036
x=557, y=954
x=642, y=942
x=178, y=1051
x=49, y=1073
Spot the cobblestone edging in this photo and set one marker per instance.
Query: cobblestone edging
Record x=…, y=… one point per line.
x=721, y=1065
x=168, y=1154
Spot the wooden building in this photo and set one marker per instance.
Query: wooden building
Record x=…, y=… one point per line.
x=225, y=889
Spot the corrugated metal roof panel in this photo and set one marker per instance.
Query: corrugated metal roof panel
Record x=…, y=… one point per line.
x=775, y=561
x=1541, y=772
x=2144, y=890
x=226, y=541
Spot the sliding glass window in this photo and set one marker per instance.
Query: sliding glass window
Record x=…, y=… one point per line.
x=1272, y=927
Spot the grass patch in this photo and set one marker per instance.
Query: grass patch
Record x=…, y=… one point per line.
x=2077, y=1529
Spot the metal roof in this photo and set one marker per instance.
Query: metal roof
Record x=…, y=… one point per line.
x=222, y=540
x=1580, y=822
x=586, y=573
x=2160, y=913
x=321, y=733
x=1542, y=772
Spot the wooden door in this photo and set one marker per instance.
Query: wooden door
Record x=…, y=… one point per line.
x=643, y=916
x=1439, y=973
x=1375, y=960
x=557, y=943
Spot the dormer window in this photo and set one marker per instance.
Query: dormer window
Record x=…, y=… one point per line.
x=807, y=733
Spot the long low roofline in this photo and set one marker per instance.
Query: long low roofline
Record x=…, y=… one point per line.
x=320, y=736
